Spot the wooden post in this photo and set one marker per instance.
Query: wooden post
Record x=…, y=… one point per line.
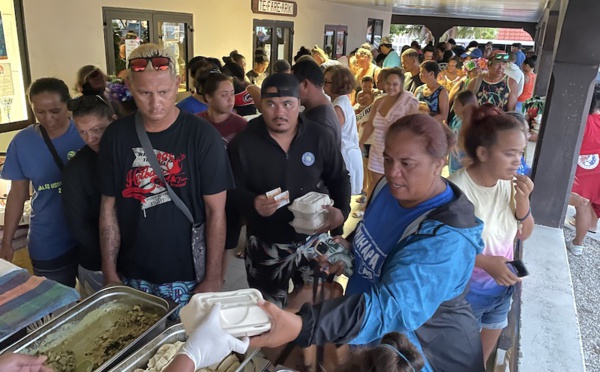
x=567, y=105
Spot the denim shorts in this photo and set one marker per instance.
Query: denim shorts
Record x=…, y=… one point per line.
x=491, y=311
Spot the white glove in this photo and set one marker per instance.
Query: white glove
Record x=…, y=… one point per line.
x=209, y=344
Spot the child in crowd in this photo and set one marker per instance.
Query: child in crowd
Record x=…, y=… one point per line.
x=495, y=142
x=395, y=354
x=529, y=83
x=366, y=96
x=524, y=168
x=464, y=104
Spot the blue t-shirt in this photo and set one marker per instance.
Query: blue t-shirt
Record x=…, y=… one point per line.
x=520, y=59
x=192, y=105
x=382, y=227
x=28, y=157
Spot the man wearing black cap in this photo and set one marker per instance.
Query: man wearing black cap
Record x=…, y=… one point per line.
x=281, y=150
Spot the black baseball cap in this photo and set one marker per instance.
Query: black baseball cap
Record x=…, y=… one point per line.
x=287, y=85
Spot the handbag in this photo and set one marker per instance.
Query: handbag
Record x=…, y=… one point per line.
x=198, y=239
x=50, y=145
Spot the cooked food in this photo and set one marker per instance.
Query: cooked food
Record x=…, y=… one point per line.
x=90, y=344
x=167, y=352
x=162, y=358
x=60, y=361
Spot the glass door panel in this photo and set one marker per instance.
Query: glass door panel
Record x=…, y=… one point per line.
x=126, y=29
x=172, y=36
x=328, y=43
x=128, y=34
x=275, y=39
x=263, y=39
x=284, y=44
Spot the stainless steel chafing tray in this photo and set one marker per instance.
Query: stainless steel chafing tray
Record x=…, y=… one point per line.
x=140, y=358
x=91, y=315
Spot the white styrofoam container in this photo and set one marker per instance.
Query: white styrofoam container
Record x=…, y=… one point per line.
x=304, y=230
x=309, y=204
x=240, y=314
x=315, y=221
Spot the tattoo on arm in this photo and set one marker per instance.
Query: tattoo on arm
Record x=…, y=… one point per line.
x=110, y=236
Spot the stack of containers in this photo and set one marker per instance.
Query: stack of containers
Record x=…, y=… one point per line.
x=308, y=211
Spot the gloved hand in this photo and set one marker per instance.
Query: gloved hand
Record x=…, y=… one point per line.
x=209, y=344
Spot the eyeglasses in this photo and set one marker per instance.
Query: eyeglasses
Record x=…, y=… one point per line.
x=141, y=63
x=87, y=102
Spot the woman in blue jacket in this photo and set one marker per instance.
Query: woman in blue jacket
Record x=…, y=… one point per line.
x=414, y=254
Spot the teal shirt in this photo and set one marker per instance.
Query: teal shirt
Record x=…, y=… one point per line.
x=391, y=60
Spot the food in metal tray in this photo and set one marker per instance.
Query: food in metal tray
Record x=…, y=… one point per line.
x=162, y=358
x=125, y=329
x=166, y=353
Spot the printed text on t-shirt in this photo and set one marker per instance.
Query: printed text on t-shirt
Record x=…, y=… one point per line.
x=143, y=184
x=369, y=258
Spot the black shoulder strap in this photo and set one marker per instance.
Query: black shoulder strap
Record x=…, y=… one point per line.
x=50, y=145
x=151, y=156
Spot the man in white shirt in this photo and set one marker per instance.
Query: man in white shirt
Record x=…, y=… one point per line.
x=513, y=71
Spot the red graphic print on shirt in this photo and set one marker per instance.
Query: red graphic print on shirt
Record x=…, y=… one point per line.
x=143, y=184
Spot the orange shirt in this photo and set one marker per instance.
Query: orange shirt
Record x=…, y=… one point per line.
x=527, y=88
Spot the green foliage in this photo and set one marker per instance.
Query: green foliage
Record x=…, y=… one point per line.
x=476, y=32
x=406, y=30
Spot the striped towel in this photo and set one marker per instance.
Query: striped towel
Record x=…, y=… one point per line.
x=25, y=298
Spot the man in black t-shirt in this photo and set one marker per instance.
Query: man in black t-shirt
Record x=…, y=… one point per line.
x=282, y=150
x=145, y=238
x=411, y=66
x=318, y=107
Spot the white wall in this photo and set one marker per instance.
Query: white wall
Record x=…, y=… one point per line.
x=63, y=35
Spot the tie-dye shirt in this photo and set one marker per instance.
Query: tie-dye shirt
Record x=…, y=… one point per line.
x=495, y=206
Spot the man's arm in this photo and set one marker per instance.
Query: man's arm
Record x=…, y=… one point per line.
x=18, y=194
x=215, y=242
x=110, y=239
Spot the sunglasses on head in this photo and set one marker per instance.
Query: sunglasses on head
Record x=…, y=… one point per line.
x=501, y=57
x=85, y=101
x=141, y=63
x=92, y=75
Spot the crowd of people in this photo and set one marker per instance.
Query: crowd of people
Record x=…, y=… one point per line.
x=131, y=187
